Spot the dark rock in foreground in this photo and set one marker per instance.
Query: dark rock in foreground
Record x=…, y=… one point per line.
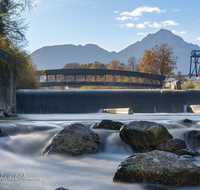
x=75, y=139
x=107, y=124
x=61, y=188
x=192, y=139
x=158, y=167
x=144, y=135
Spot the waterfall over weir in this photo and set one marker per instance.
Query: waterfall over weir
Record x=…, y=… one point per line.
x=90, y=101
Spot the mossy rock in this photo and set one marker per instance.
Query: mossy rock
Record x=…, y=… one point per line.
x=158, y=167
x=144, y=135
x=74, y=139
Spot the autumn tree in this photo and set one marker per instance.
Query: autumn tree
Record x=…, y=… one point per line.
x=179, y=76
x=12, y=41
x=158, y=60
x=98, y=65
x=132, y=63
x=74, y=65
x=28, y=79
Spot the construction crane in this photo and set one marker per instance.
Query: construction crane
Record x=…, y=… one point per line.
x=194, y=58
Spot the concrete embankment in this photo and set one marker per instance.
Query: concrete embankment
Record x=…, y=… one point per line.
x=7, y=92
x=90, y=101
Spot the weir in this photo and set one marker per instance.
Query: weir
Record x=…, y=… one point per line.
x=90, y=101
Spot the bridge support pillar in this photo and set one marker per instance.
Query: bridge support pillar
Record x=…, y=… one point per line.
x=84, y=77
x=55, y=78
x=113, y=78
x=47, y=78
x=74, y=77
x=122, y=78
x=104, y=78
x=64, y=77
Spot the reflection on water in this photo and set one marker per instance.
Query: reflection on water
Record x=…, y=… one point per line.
x=21, y=161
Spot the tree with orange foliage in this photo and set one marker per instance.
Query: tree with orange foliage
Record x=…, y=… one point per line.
x=116, y=65
x=158, y=60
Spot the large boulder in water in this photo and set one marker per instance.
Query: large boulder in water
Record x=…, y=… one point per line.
x=107, y=124
x=158, y=167
x=192, y=139
x=75, y=139
x=144, y=135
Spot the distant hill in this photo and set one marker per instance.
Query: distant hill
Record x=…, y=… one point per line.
x=55, y=57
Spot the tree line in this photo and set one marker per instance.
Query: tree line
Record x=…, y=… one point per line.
x=158, y=60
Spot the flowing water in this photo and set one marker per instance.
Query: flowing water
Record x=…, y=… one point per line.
x=22, y=167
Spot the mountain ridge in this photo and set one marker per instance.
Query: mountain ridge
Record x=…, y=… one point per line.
x=55, y=57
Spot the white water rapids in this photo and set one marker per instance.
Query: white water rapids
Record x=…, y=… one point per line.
x=22, y=167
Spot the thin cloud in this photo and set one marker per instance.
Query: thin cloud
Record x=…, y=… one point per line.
x=141, y=26
x=178, y=33
x=176, y=10
x=126, y=18
x=155, y=25
x=140, y=10
x=170, y=23
x=116, y=11
x=198, y=38
x=140, y=33
x=128, y=25
x=183, y=32
x=146, y=22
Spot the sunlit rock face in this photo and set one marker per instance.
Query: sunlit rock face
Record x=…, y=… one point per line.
x=107, y=124
x=158, y=167
x=75, y=139
x=143, y=136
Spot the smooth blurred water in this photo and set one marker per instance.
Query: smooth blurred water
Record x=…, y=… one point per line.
x=21, y=160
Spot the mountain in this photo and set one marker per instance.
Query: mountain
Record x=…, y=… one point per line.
x=55, y=57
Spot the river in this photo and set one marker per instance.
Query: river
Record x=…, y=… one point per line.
x=23, y=168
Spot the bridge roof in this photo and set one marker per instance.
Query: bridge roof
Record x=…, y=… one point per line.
x=100, y=72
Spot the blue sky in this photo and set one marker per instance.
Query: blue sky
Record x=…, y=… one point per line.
x=111, y=24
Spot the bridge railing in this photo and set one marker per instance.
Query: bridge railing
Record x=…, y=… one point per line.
x=99, y=77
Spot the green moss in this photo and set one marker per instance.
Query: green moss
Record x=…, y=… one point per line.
x=161, y=135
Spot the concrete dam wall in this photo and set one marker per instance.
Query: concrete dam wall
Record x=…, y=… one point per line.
x=90, y=101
